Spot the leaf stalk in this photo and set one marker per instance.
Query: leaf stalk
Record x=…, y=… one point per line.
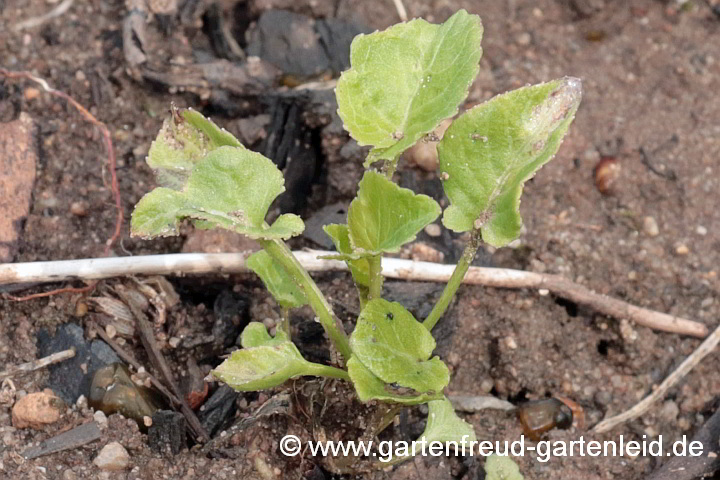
x=376, y=278
x=283, y=255
x=455, y=281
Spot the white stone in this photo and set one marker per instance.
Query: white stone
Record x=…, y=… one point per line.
x=100, y=418
x=113, y=457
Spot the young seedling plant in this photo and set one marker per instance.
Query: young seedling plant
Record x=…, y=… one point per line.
x=403, y=82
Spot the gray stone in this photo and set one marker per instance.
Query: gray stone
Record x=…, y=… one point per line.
x=68, y=379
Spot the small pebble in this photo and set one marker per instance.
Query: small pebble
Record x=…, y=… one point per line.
x=81, y=309
x=511, y=343
x=69, y=475
x=112, y=458
x=523, y=39
x=487, y=385
x=111, y=331
x=36, y=410
x=100, y=418
x=682, y=249
x=607, y=172
x=433, y=230
x=31, y=93
x=669, y=411
x=650, y=227
x=700, y=230
x=422, y=252
x=627, y=332
x=603, y=398
x=79, y=209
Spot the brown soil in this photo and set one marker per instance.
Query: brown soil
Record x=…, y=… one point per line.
x=650, y=74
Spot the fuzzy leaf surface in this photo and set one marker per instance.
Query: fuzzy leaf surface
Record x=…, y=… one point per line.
x=256, y=335
x=185, y=138
x=358, y=264
x=405, y=80
x=383, y=217
x=502, y=468
x=230, y=187
x=369, y=387
x=264, y=362
x=282, y=287
x=490, y=151
x=396, y=348
x=443, y=424
x=156, y=213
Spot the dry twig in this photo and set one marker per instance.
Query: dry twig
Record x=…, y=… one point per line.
x=147, y=337
x=37, y=21
x=199, y=263
x=38, y=364
x=705, y=348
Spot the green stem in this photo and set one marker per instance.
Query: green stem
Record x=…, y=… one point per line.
x=391, y=411
x=362, y=295
x=327, y=371
x=455, y=281
x=376, y=278
x=282, y=254
x=285, y=325
x=389, y=168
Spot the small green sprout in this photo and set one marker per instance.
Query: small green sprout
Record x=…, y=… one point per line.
x=402, y=84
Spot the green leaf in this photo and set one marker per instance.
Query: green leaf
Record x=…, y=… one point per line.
x=235, y=184
x=185, y=138
x=358, y=264
x=407, y=79
x=256, y=335
x=216, y=136
x=157, y=212
x=369, y=387
x=258, y=368
x=488, y=154
x=276, y=279
x=395, y=347
x=502, y=468
x=383, y=216
x=443, y=425
x=264, y=362
x=231, y=188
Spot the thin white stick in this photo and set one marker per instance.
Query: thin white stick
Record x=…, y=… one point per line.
x=37, y=21
x=202, y=263
x=38, y=364
x=402, y=13
x=705, y=348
